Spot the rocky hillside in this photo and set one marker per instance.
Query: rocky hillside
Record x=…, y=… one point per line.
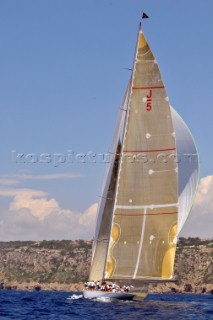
x=64, y=265
x=193, y=267
x=45, y=262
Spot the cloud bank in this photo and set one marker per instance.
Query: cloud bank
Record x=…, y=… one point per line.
x=35, y=215
x=200, y=221
x=12, y=179
x=32, y=216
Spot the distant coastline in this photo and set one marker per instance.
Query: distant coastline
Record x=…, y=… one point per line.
x=64, y=266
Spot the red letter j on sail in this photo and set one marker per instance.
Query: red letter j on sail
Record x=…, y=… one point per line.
x=149, y=101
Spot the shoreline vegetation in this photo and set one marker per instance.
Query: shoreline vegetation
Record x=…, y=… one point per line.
x=64, y=266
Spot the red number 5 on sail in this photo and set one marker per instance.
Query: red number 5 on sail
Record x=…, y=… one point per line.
x=149, y=101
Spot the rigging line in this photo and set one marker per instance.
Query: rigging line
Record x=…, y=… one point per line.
x=116, y=154
x=105, y=198
x=141, y=244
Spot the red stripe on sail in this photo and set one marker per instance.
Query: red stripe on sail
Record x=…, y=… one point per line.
x=145, y=88
x=150, y=150
x=142, y=214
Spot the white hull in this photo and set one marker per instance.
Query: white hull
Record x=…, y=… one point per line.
x=94, y=294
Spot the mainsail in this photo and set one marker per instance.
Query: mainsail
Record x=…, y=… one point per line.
x=143, y=206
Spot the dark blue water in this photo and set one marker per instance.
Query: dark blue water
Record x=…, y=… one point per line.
x=21, y=305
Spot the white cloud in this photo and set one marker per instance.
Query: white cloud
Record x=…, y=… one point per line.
x=200, y=221
x=204, y=190
x=9, y=182
x=21, y=193
x=32, y=216
x=39, y=208
x=68, y=224
x=89, y=216
x=30, y=199
x=53, y=176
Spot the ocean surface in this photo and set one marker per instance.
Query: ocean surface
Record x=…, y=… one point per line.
x=21, y=305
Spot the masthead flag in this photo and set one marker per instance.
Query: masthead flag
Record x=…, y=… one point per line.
x=144, y=15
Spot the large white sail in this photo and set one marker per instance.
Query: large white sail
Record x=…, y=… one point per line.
x=188, y=167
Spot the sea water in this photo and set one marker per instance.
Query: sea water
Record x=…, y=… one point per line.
x=22, y=305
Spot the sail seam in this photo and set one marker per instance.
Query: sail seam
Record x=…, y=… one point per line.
x=152, y=206
x=160, y=150
x=145, y=88
x=141, y=244
x=142, y=214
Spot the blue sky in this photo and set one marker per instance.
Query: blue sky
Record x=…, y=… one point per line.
x=62, y=81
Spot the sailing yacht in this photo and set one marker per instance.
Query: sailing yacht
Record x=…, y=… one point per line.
x=148, y=188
